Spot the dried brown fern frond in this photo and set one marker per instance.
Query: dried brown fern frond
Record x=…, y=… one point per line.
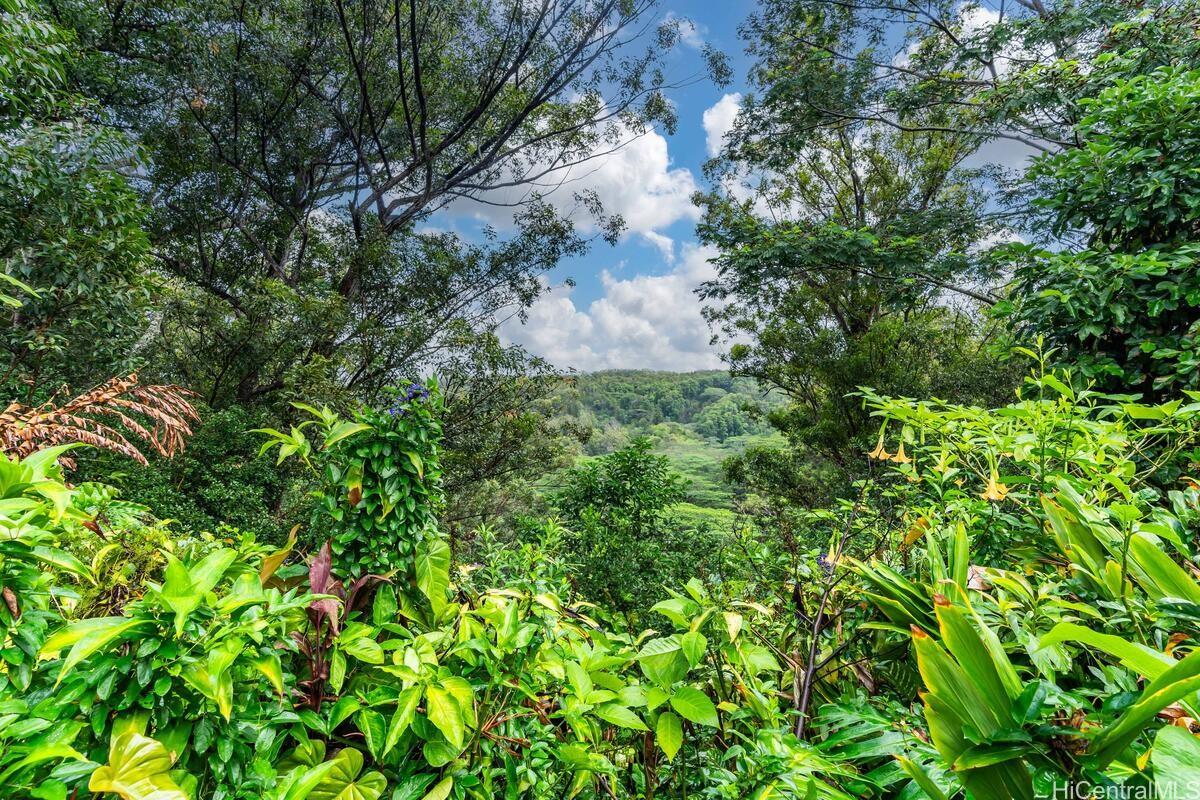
x=106, y=417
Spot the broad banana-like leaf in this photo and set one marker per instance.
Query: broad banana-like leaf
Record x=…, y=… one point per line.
x=1178, y=682
x=958, y=701
x=1144, y=660
x=1176, y=760
x=979, y=651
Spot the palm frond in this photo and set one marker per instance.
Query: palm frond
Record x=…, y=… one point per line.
x=111, y=416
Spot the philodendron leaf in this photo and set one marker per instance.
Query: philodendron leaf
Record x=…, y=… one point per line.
x=347, y=781
x=138, y=768
x=433, y=571
x=301, y=782
x=445, y=714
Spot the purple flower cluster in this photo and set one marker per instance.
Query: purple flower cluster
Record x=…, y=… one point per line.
x=825, y=563
x=414, y=392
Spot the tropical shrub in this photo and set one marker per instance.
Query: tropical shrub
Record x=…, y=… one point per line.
x=1123, y=309
x=381, y=493
x=617, y=509
x=1049, y=583
x=217, y=480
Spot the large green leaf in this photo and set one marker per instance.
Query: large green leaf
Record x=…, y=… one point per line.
x=209, y=572
x=214, y=678
x=178, y=593
x=347, y=781
x=442, y=790
x=446, y=715
x=138, y=768
x=955, y=712
x=694, y=645
x=301, y=781
x=433, y=571
x=669, y=732
x=1177, y=682
x=183, y=588
x=1144, y=660
x=1163, y=577
x=979, y=651
x=406, y=709
x=40, y=755
x=374, y=730
x=272, y=669
x=620, y=716
x=581, y=758
x=88, y=636
x=694, y=706
x=342, y=430
x=921, y=778
x=663, y=661
x=1176, y=760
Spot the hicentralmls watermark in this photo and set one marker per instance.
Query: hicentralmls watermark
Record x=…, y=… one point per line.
x=1178, y=790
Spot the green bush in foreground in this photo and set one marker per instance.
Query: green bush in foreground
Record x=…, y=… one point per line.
x=1035, y=563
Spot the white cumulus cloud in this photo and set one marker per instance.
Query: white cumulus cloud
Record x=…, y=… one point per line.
x=718, y=121
x=634, y=178
x=641, y=322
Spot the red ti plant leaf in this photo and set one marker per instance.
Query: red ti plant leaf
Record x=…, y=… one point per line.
x=328, y=609
x=362, y=590
x=318, y=571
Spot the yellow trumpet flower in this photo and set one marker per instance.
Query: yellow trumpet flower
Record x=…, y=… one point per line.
x=879, y=452
x=900, y=458
x=995, y=490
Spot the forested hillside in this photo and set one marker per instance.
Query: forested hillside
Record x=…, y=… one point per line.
x=697, y=419
x=294, y=506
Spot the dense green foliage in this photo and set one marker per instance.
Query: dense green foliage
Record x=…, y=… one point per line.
x=1131, y=189
x=708, y=401
x=70, y=225
x=952, y=551
x=620, y=509
x=697, y=420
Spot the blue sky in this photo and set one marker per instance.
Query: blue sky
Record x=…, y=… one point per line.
x=633, y=304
